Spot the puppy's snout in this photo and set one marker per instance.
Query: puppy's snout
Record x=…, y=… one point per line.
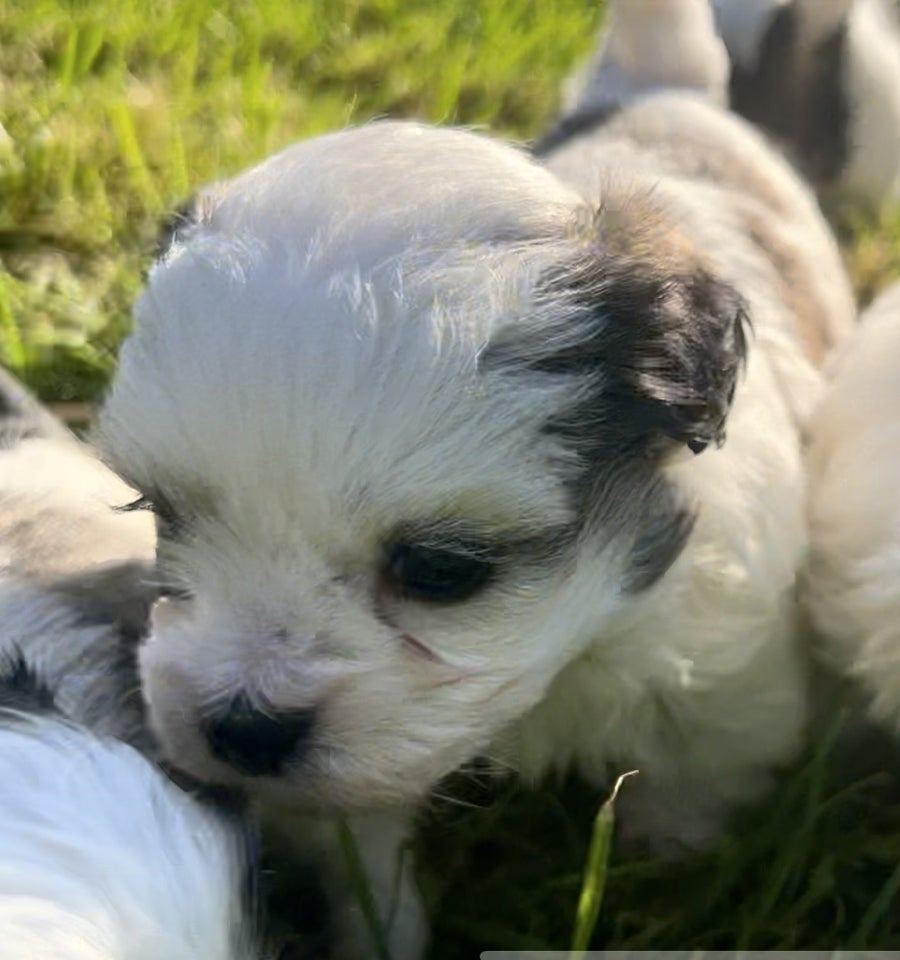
x=255, y=742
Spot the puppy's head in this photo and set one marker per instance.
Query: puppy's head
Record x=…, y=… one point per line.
x=402, y=403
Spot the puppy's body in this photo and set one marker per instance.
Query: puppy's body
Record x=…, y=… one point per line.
x=852, y=585
x=436, y=439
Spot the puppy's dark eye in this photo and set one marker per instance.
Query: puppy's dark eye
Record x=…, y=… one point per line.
x=169, y=526
x=438, y=576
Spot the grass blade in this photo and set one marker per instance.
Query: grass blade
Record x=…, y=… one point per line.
x=359, y=883
x=594, y=881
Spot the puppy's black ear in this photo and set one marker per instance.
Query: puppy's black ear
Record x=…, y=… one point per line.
x=659, y=352
x=190, y=214
x=178, y=222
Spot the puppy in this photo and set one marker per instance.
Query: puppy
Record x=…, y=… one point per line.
x=101, y=858
x=823, y=78
x=852, y=585
x=76, y=574
x=435, y=438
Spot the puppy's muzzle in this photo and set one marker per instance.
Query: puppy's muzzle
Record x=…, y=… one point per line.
x=256, y=742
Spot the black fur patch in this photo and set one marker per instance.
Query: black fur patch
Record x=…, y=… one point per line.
x=660, y=356
x=795, y=91
x=574, y=125
x=655, y=358
x=21, y=689
x=181, y=219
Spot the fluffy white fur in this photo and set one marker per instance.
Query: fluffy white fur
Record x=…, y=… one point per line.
x=873, y=80
x=853, y=581
x=304, y=379
x=101, y=858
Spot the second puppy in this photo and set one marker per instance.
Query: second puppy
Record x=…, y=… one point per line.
x=852, y=586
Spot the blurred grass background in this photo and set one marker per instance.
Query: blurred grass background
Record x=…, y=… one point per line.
x=112, y=112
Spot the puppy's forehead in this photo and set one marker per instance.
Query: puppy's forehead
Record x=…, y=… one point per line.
x=317, y=336
x=379, y=189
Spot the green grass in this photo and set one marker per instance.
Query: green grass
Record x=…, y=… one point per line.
x=112, y=112
x=817, y=866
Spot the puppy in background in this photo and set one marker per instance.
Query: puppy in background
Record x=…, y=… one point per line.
x=823, y=78
x=452, y=452
x=76, y=573
x=852, y=585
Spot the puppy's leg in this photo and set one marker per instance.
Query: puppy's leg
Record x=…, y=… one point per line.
x=852, y=584
x=823, y=78
x=376, y=842
x=380, y=840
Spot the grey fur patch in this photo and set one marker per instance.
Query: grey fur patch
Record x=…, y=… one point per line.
x=21, y=416
x=572, y=125
x=119, y=595
x=115, y=601
x=663, y=530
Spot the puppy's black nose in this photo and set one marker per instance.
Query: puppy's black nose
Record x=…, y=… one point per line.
x=258, y=743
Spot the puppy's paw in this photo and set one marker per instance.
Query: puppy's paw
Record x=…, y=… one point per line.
x=371, y=903
x=386, y=867
x=667, y=820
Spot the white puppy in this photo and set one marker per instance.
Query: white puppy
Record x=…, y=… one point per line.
x=853, y=581
x=823, y=77
x=101, y=857
x=435, y=439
